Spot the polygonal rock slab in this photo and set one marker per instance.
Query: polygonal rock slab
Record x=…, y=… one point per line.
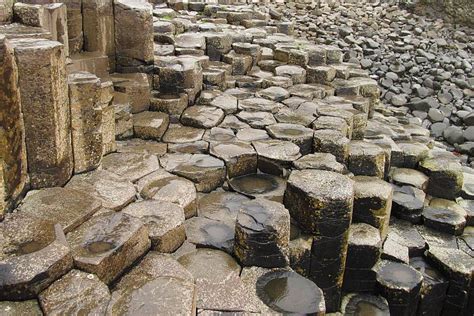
x=76, y=292
x=202, y=116
x=405, y=176
x=108, y=243
x=352, y=304
x=33, y=254
x=114, y=191
x=205, y=171
x=251, y=134
x=445, y=177
x=320, y=161
x=258, y=105
x=276, y=156
x=219, y=134
x=211, y=233
x=276, y=94
x=408, y=203
x=67, y=207
x=295, y=294
x=332, y=142
x=150, y=125
x=164, y=221
x=219, y=288
x=298, y=134
x=164, y=186
x=177, y=133
x=372, y=202
x=256, y=119
x=137, y=145
x=321, y=202
x=261, y=185
x=451, y=221
x=366, y=159
x=130, y=166
x=240, y=157
x=226, y=102
x=400, y=284
x=157, y=275
x=262, y=234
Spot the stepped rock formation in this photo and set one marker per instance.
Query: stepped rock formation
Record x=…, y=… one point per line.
x=238, y=157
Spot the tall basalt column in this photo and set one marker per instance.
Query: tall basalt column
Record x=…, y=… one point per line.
x=134, y=35
x=86, y=120
x=12, y=132
x=74, y=25
x=99, y=28
x=321, y=202
x=45, y=106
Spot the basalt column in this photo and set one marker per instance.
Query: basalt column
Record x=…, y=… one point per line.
x=321, y=202
x=74, y=25
x=134, y=35
x=86, y=120
x=99, y=28
x=12, y=132
x=45, y=105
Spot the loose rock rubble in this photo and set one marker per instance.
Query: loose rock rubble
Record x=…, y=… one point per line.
x=244, y=157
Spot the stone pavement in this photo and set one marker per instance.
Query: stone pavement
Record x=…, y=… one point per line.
x=198, y=158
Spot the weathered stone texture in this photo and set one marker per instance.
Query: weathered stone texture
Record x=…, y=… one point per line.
x=45, y=106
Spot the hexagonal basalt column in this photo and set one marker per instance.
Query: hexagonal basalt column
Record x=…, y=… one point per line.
x=321, y=202
x=262, y=234
x=33, y=254
x=108, y=243
x=164, y=221
x=76, y=292
x=276, y=156
x=205, y=171
x=240, y=157
x=366, y=159
x=445, y=177
x=46, y=114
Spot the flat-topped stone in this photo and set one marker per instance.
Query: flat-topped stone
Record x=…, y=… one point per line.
x=320, y=161
x=262, y=234
x=202, y=116
x=405, y=176
x=166, y=187
x=240, y=157
x=178, y=134
x=256, y=119
x=34, y=253
x=298, y=134
x=114, y=191
x=75, y=292
x=150, y=125
x=108, y=243
x=164, y=220
x=276, y=156
x=131, y=166
x=445, y=177
x=157, y=275
x=205, y=171
x=258, y=105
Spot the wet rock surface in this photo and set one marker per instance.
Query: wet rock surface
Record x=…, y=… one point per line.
x=239, y=157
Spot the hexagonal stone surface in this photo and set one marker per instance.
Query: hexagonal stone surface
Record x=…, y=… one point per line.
x=288, y=292
x=256, y=119
x=219, y=288
x=297, y=134
x=445, y=177
x=276, y=156
x=451, y=221
x=33, y=254
x=296, y=73
x=240, y=157
x=108, y=243
x=76, y=292
x=164, y=186
x=405, y=176
x=251, y=134
x=202, y=116
x=353, y=303
x=408, y=203
x=261, y=185
x=277, y=94
x=177, y=133
x=332, y=142
x=226, y=102
x=400, y=284
x=12, y=308
x=258, y=105
x=150, y=125
x=211, y=233
x=164, y=221
x=205, y=171
x=131, y=166
x=366, y=159
x=320, y=161
x=67, y=207
x=219, y=134
x=157, y=275
x=262, y=234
